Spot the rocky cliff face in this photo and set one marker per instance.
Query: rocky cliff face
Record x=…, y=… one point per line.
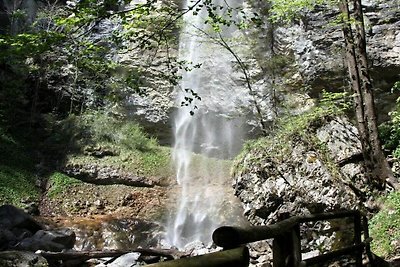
x=317, y=46
x=311, y=56
x=301, y=179
x=311, y=172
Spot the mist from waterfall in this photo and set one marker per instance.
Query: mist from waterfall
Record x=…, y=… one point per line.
x=203, y=139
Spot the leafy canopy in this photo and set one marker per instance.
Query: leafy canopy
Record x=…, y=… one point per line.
x=287, y=10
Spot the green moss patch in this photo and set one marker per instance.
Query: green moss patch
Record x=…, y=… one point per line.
x=59, y=182
x=385, y=227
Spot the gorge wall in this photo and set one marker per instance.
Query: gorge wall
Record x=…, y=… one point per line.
x=291, y=64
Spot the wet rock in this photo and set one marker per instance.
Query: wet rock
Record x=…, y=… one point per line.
x=15, y=225
x=8, y=239
x=126, y=260
x=21, y=259
x=49, y=240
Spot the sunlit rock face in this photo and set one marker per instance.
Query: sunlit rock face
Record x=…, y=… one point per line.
x=312, y=58
x=316, y=44
x=300, y=181
x=297, y=177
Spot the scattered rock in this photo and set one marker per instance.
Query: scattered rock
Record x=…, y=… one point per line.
x=126, y=260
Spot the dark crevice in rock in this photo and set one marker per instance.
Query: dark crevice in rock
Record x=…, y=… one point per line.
x=106, y=175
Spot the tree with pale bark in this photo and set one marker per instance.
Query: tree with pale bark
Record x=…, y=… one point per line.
x=351, y=21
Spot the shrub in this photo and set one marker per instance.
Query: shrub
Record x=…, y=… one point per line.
x=132, y=136
x=100, y=128
x=390, y=131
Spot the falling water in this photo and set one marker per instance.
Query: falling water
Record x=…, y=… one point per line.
x=203, y=139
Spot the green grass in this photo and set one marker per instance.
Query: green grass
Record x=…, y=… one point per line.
x=59, y=183
x=155, y=162
x=385, y=227
x=134, y=150
x=289, y=130
x=17, y=178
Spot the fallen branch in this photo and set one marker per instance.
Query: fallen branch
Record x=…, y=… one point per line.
x=86, y=255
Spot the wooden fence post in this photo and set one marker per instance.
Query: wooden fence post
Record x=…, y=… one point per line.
x=287, y=248
x=357, y=238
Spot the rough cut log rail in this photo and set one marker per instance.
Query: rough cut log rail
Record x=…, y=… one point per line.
x=286, y=244
x=237, y=257
x=286, y=239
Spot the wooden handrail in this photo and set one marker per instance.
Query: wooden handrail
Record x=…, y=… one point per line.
x=286, y=235
x=233, y=236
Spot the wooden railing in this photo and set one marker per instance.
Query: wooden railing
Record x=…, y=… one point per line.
x=286, y=243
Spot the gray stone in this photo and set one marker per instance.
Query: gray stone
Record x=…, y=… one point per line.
x=300, y=181
x=12, y=218
x=49, y=240
x=341, y=138
x=126, y=260
x=21, y=259
x=106, y=175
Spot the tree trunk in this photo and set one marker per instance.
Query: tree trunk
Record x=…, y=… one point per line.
x=376, y=165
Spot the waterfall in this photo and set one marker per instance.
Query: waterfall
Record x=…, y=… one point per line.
x=205, y=138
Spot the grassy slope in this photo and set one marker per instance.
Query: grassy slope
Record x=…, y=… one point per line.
x=136, y=153
x=385, y=227
x=17, y=178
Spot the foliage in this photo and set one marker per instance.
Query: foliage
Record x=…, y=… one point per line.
x=301, y=127
x=132, y=136
x=59, y=183
x=390, y=131
x=134, y=150
x=286, y=11
x=17, y=179
x=73, y=133
x=384, y=227
x=104, y=128
x=331, y=104
x=64, y=64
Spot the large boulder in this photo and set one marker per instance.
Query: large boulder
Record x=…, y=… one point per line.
x=13, y=218
x=15, y=225
x=20, y=231
x=304, y=179
x=315, y=170
x=49, y=240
